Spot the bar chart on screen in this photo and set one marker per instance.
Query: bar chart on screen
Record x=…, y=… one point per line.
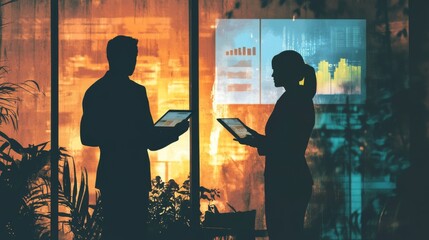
x=336, y=49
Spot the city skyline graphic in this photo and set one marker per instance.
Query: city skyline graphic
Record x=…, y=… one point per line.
x=339, y=78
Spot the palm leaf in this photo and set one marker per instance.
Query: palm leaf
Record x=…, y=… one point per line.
x=80, y=195
x=10, y=1
x=66, y=179
x=3, y=167
x=85, y=200
x=16, y=146
x=74, y=184
x=9, y=108
x=7, y=158
x=230, y=206
x=4, y=146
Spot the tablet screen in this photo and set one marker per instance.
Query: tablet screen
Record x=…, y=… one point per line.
x=173, y=117
x=235, y=127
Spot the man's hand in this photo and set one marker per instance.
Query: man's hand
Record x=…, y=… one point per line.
x=181, y=127
x=253, y=140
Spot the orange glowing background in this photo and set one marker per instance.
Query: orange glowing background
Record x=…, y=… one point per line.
x=162, y=30
x=163, y=67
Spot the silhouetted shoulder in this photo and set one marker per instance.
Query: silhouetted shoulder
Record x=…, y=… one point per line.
x=135, y=89
x=97, y=86
x=138, y=86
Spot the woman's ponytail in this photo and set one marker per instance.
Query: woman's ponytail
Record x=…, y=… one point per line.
x=310, y=84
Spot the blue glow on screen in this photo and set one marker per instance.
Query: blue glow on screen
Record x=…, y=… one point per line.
x=244, y=49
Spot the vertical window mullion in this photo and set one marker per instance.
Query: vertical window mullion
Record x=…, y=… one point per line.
x=194, y=106
x=54, y=119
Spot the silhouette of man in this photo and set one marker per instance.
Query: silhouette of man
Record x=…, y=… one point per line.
x=117, y=119
x=288, y=181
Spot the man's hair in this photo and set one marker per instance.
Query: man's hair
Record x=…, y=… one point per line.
x=121, y=46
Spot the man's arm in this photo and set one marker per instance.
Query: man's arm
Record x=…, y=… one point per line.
x=158, y=138
x=88, y=124
x=166, y=136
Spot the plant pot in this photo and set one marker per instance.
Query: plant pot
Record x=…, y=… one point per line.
x=241, y=225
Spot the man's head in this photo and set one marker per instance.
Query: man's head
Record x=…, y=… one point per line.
x=122, y=54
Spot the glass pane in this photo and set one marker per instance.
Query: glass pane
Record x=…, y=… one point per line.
x=162, y=67
x=355, y=154
x=25, y=119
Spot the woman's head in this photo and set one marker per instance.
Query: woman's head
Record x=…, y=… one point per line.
x=289, y=69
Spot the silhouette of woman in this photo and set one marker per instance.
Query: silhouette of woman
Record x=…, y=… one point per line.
x=288, y=181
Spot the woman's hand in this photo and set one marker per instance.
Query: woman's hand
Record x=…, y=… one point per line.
x=253, y=132
x=253, y=140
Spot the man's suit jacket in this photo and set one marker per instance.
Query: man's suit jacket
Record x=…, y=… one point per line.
x=117, y=119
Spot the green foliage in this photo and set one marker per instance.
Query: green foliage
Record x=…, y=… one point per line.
x=21, y=192
x=9, y=99
x=170, y=207
x=83, y=219
x=76, y=215
x=25, y=192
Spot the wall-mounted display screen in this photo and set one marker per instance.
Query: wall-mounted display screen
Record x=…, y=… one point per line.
x=336, y=49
